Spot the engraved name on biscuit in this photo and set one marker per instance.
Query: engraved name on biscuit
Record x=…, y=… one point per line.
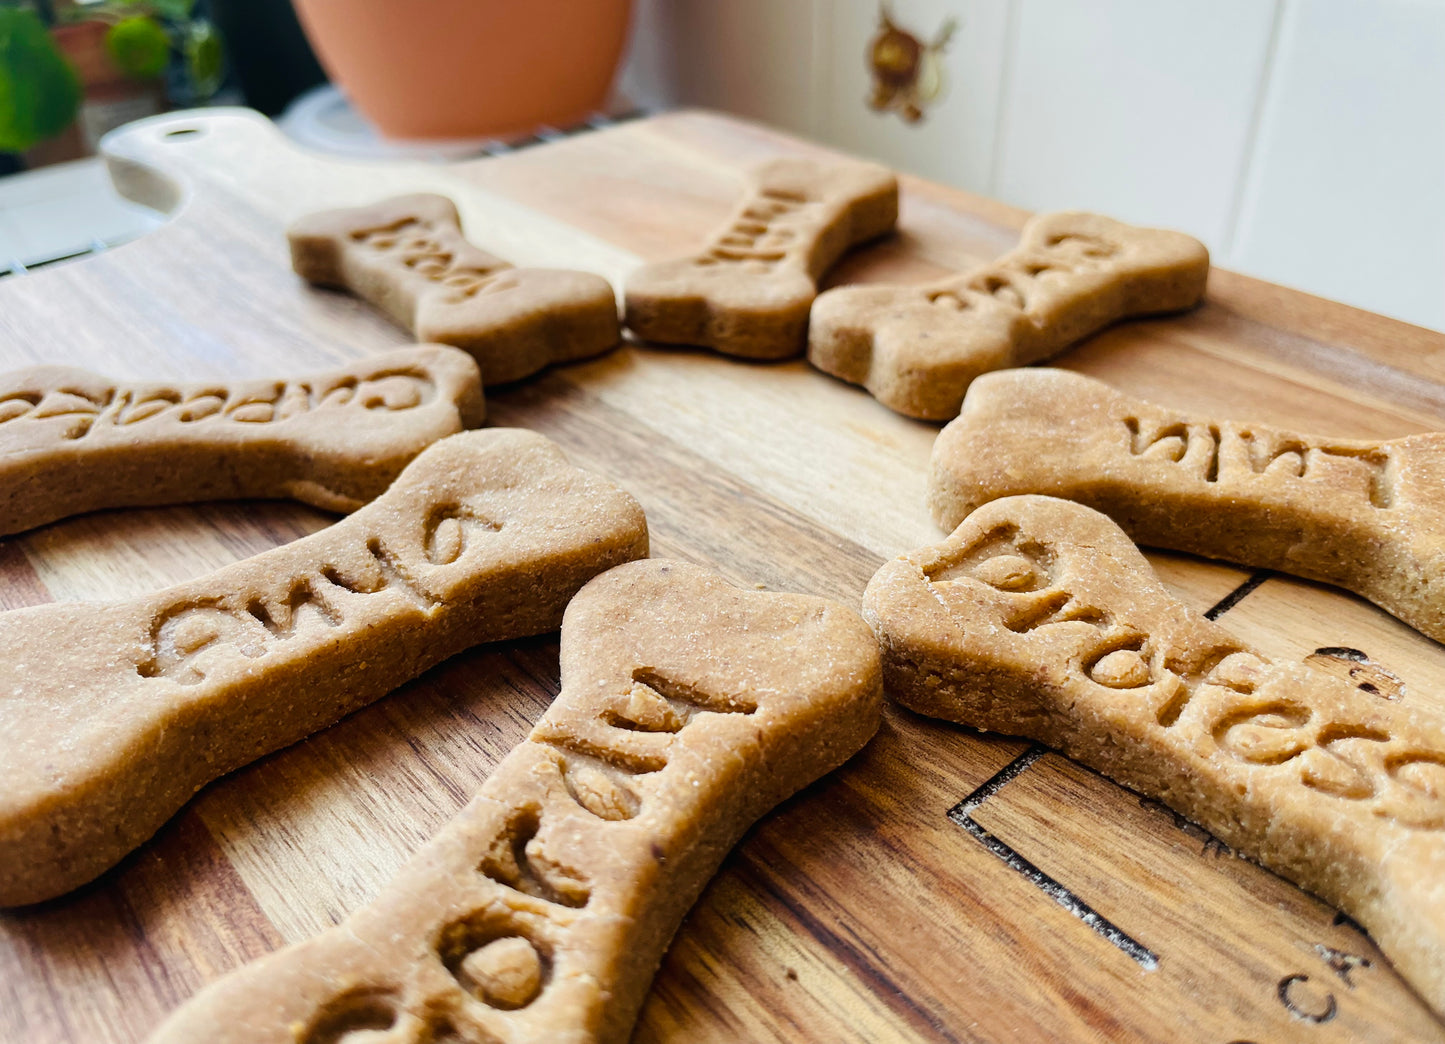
x=917, y=348
x=420, y=246
x=501, y=953
x=1216, y=453
x=1242, y=701
x=193, y=637
x=1009, y=281
x=120, y=407
x=768, y=228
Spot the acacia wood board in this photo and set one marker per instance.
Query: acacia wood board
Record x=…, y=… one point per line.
x=1051, y=904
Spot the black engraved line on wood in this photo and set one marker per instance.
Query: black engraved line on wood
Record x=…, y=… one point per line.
x=1284, y=990
x=1342, y=962
x=961, y=815
x=1209, y=844
x=1229, y=601
x=1379, y=680
x=998, y=780
x=1342, y=919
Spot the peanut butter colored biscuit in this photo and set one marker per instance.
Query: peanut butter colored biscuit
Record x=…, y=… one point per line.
x=1368, y=516
x=748, y=292
x=407, y=257
x=73, y=441
x=116, y=713
x=540, y=913
x=916, y=348
x=1039, y=618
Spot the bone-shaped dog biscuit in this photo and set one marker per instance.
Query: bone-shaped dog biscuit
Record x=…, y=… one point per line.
x=116, y=713
x=1039, y=618
x=73, y=441
x=540, y=913
x=407, y=256
x=1368, y=516
x=916, y=348
x=748, y=292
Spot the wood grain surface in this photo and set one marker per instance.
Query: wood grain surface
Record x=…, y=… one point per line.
x=943, y=886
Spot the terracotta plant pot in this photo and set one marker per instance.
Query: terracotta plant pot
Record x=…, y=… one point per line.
x=468, y=68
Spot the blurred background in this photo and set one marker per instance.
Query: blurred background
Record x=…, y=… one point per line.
x=1302, y=140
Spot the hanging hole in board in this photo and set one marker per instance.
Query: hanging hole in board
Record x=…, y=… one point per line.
x=181, y=132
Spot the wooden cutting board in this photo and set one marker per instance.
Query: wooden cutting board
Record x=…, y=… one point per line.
x=1050, y=905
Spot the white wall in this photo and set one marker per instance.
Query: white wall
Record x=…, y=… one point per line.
x=1303, y=140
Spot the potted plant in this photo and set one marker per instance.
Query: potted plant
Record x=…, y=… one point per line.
x=468, y=68
x=39, y=89
x=123, y=58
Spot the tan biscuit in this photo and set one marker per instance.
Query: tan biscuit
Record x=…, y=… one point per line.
x=540, y=913
x=1039, y=618
x=407, y=256
x=916, y=348
x=116, y=713
x=1368, y=516
x=748, y=292
x=74, y=441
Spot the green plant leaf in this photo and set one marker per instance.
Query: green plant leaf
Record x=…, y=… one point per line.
x=139, y=47
x=39, y=91
x=204, y=58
